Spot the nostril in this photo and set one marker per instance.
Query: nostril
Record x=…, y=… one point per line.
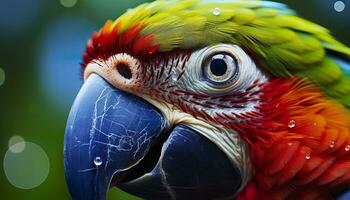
x=124, y=70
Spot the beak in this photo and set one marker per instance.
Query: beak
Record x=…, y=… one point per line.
x=114, y=138
x=108, y=132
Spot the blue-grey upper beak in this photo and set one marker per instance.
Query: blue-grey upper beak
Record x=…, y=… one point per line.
x=116, y=138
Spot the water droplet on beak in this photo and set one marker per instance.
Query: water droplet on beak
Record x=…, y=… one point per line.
x=98, y=161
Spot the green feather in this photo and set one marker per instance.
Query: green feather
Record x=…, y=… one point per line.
x=325, y=73
x=285, y=44
x=339, y=88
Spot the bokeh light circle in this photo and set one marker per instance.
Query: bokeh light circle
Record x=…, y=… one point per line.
x=27, y=169
x=339, y=6
x=16, y=144
x=2, y=76
x=60, y=57
x=68, y=3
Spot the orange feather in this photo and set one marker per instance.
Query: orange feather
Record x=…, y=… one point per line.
x=309, y=147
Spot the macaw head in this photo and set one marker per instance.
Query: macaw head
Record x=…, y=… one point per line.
x=211, y=100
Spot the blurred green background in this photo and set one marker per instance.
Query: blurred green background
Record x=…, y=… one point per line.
x=40, y=46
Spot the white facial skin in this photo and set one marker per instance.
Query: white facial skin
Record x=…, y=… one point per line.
x=183, y=82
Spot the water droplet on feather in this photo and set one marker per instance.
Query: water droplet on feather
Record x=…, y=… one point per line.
x=216, y=11
x=291, y=124
x=347, y=148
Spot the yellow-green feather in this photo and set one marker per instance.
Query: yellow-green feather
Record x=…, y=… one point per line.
x=285, y=44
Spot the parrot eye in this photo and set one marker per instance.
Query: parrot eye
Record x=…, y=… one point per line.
x=220, y=68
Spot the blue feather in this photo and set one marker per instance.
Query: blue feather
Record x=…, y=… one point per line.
x=282, y=8
x=271, y=4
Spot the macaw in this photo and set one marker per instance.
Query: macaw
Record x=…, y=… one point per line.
x=211, y=99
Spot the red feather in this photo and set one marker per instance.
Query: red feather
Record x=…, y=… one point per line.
x=109, y=40
x=302, y=149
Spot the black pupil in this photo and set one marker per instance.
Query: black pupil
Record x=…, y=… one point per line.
x=124, y=70
x=218, y=66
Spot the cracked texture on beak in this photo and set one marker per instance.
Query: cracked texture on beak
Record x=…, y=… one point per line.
x=108, y=131
x=114, y=138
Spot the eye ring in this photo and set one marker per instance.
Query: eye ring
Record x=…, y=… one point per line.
x=220, y=68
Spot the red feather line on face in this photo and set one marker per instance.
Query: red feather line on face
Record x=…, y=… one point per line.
x=300, y=145
x=109, y=41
